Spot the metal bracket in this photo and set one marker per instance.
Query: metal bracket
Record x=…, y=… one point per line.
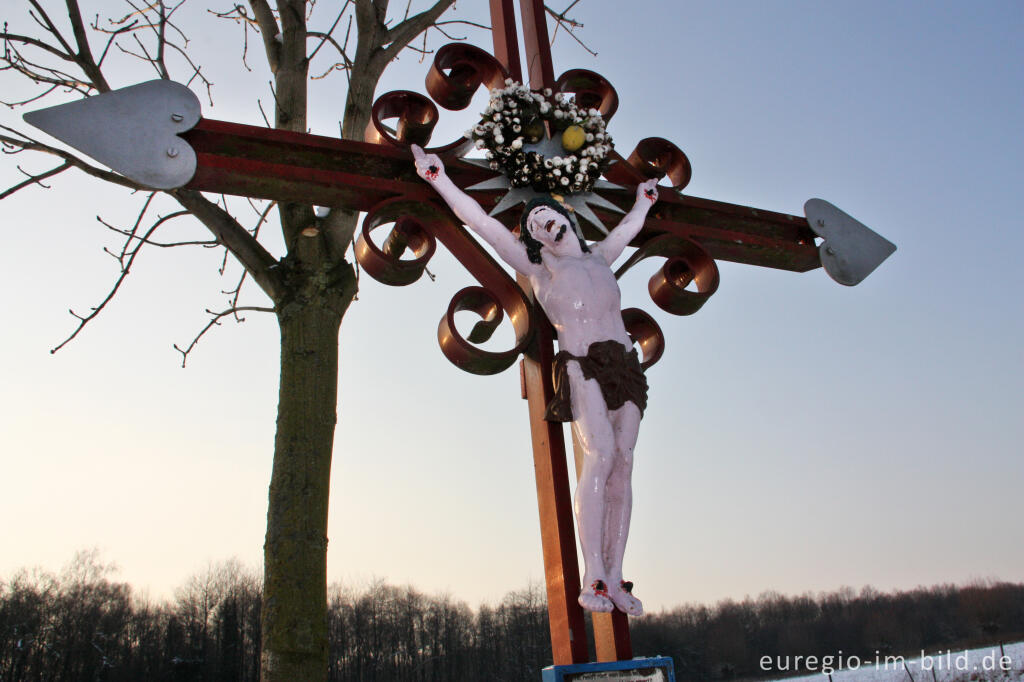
x=133, y=130
x=851, y=250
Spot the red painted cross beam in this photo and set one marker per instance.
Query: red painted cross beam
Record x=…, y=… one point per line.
x=153, y=133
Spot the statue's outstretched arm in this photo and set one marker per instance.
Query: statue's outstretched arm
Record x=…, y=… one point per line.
x=466, y=209
x=612, y=246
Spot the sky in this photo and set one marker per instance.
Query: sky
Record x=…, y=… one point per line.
x=801, y=435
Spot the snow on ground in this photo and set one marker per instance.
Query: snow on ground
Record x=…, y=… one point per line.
x=982, y=665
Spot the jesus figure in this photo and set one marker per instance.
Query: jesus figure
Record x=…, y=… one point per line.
x=599, y=384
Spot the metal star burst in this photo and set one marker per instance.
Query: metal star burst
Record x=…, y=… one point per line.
x=548, y=148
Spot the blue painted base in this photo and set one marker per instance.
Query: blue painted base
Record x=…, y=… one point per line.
x=658, y=669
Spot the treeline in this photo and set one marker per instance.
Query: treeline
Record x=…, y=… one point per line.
x=82, y=625
x=728, y=640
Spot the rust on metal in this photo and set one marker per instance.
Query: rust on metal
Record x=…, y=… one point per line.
x=539, y=68
x=656, y=157
x=687, y=263
x=419, y=223
x=458, y=71
x=505, y=39
x=646, y=333
x=590, y=90
x=286, y=166
x=415, y=117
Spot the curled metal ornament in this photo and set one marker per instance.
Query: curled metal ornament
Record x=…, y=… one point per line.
x=458, y=71
x=416, y=117
x=417, y=225
x=384, y=263
x=687, y=263
x=646, y=333
x=591, y=91
x=655, y=157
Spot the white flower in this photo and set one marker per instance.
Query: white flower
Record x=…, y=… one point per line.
x=547, y=92
x=517, y=143
x=556, y=172
x=565, y=181
x=557, y=161
x=499, y=139
x=545, y=107
x=590, y=137
x=479, y=144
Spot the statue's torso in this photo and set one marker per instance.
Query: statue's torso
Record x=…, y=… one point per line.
x=581, y=297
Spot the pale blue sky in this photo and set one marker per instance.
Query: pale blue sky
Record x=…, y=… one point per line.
x=801, y=435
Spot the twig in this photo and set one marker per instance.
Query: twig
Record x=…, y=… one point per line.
x=215, y=321
x=35, y=179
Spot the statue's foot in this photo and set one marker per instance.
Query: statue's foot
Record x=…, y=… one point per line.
x=594, y=597
x=622, y=596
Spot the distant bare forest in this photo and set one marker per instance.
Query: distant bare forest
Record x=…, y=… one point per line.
x=82, y=625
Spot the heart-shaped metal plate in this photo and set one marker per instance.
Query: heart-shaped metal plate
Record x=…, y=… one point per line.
x=133, y=130
x=851, y=250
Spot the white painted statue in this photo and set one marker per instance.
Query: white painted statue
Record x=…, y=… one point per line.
x=599, y=384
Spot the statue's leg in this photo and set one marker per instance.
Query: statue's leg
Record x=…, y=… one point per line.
x=619, y=500
x=593, y=430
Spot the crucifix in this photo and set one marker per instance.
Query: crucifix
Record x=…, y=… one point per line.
x=161, y=140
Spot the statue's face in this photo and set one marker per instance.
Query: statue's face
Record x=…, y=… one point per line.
x=549, y=227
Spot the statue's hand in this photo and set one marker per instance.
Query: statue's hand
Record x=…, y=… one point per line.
x=648, y=190
x=428, y=166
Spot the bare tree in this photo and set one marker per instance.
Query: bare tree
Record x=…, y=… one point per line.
x=53, y=51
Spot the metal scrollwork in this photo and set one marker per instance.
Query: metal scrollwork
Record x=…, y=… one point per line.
x=687, y=262
x=591, y=91
x=384, y=263
x=457, y=73
x=654, y=157
x=646, y=333
x=416, y=226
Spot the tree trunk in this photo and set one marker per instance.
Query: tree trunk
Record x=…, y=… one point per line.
x=294, y=613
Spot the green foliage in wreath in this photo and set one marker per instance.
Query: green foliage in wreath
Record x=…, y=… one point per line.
x=513, y=133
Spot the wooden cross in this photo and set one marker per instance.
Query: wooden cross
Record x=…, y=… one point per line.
x=378, y=177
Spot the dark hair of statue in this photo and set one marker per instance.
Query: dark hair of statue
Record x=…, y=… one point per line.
x=532, y=245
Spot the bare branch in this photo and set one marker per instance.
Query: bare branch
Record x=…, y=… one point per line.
x=401, y=35
x=215, y=321
x=242, y=245
x=269, y=30
x=132, y=234
x=35, y=42
x=327, y=35
x=28, y=144
x=127, y=259
x=35, y=179
x=84, y=56
x=569, y=24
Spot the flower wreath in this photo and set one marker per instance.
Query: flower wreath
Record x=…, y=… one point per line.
x=514, y=134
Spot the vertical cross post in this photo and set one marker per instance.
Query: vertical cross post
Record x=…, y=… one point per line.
x=561, y=567
x=554, y=502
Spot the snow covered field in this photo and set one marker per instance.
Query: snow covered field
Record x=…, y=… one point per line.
x=982, y=664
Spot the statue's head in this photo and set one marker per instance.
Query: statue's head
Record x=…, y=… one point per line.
x=546, y=220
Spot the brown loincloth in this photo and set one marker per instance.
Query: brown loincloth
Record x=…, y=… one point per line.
x=616, y=370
